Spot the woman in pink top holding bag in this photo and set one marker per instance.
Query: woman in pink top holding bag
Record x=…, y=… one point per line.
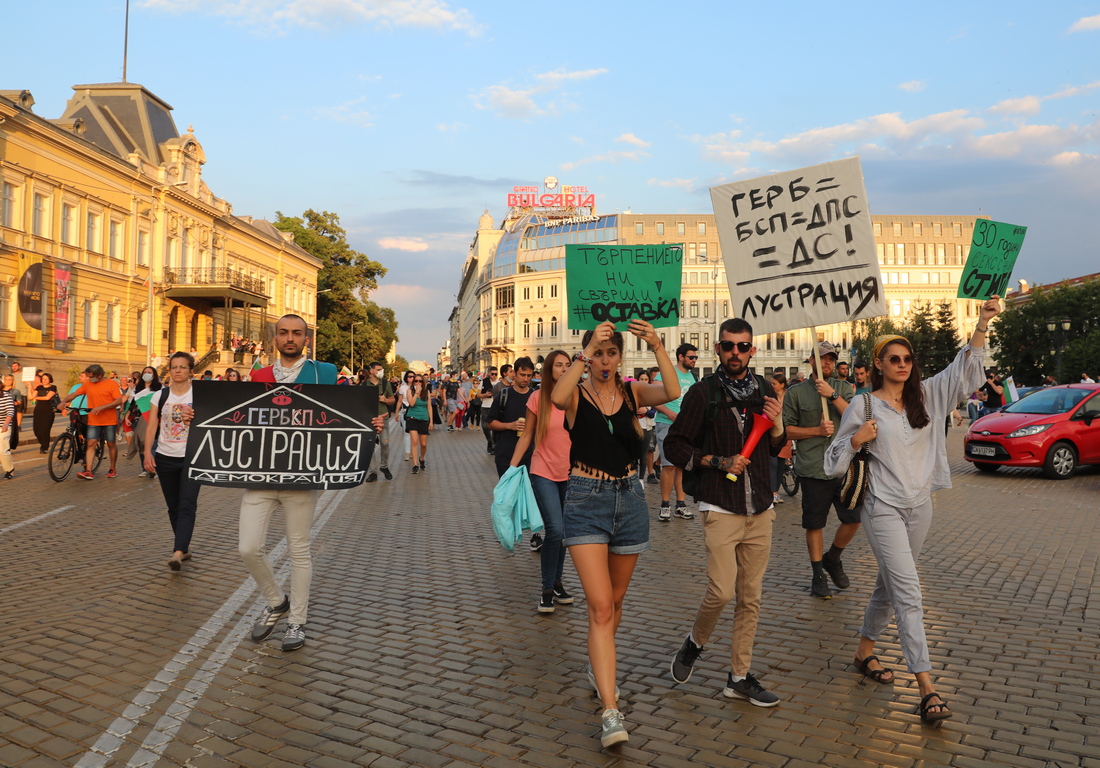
x=549, y=475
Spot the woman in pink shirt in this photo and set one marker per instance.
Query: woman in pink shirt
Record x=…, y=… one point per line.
x=549, y=475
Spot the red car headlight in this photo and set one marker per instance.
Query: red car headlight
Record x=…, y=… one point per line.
x=1034, y=429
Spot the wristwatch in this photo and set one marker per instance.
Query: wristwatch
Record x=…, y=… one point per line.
x=834, y=396
x=716, y=461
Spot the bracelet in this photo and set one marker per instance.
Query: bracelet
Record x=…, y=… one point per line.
x=981, y=330
x=583, y=358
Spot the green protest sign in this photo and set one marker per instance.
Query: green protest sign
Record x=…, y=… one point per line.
x=623, y=282
x=993, y=253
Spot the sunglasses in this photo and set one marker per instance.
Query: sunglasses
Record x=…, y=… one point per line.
x=692, y=357
x=742, y=346
x=898, y=359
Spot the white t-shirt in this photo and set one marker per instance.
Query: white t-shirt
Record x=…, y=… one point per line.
x=172, y=440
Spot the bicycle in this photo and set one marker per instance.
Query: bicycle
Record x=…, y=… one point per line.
x=788, y=479
x=69, y=445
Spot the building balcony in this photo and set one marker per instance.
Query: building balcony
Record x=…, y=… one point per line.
x=232, y=287
x=499, y=341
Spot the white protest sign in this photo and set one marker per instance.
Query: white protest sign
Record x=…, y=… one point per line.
x=798, y=247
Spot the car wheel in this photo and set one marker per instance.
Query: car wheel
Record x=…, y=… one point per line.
x=1061, y=461
x=985, y=466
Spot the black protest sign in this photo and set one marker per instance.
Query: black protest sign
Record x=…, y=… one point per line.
x=301, y=436
x=799, y=248
x=993, y=252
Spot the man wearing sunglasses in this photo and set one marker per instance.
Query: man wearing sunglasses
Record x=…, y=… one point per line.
x=738, y=517
x=806, y=423
x=687, y=355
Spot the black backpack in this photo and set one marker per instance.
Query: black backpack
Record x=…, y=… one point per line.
x=715, y=400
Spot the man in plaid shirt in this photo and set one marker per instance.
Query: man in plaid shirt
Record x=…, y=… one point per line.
x=737, y=516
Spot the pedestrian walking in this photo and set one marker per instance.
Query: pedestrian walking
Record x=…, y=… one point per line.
x=779, y=461
x=809, y=427
x=738, y=517
x=103, y=397
x=687, y=355
x=45, y=398
x=147, y=385
x=508, y=415
x=649, y=438
x=908, y=462
x=7, y=415
x=299, y=505
x=402, y=408
x=169, y=421
x=418, y=420
x=605, y=517
x=488, y=390
x=373, y=377
x=19, y=403
x=545, y=430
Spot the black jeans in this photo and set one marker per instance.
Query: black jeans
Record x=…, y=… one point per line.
x=181, y=494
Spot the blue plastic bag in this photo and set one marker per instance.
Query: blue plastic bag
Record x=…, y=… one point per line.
x=515, y=509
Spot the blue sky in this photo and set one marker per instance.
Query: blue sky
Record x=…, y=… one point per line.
x=409, y=117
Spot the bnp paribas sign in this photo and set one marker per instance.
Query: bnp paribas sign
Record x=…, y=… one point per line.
x=550, y=195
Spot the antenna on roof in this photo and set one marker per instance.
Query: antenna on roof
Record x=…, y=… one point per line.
x=125, y=40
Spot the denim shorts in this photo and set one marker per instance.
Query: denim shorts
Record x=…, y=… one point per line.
x=612, y=512
x=108, y=431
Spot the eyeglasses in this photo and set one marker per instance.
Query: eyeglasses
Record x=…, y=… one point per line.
x=692, y=357
x=742, y=346
x=898, y=359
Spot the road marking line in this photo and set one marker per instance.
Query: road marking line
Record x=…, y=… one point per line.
x=114, y=738
x=35, y=519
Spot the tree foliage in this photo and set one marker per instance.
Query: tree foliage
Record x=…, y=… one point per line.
x=932, y=334
x=344, y=283
x=1024, y=346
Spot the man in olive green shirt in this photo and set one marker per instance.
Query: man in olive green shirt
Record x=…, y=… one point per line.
x=385, y=400
x=813, y=432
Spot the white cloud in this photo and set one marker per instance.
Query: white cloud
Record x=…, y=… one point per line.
x=1086, y=24
x=403, y=244
x=607, y=157
x=452, y=127
x=685, y=184
x=912, y=86
x=518, y=103
x=347, y=113
x=279, y=15
x=1031, y=105
x=630, y=138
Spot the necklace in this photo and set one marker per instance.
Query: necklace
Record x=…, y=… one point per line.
x=606, y=418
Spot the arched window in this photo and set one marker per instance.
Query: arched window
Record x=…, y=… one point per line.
x=538, y=328
x=554, y=327
x=526, y=329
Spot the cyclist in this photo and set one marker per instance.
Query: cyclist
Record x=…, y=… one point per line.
x=103, y=397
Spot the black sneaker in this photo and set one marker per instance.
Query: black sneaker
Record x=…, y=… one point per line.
x=372, y=477
x=836, y=572
x=294, y=638
x=560, y=595
x=819, y=587
x=422, y=466
x=653, y=480
x=684, y=660
x=386, y=473
x=268, y=619
x=536, y=542
x=751, y=690
x=546, y=603
x=416, y=470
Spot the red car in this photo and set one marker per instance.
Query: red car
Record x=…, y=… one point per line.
x=1056, y=428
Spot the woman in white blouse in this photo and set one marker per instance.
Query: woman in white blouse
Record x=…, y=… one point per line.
x=908, y=462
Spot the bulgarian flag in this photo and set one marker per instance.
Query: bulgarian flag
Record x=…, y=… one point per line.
x=1010, y=395
x=257, y=365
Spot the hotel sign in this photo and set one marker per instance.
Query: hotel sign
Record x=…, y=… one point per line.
x=534, y=197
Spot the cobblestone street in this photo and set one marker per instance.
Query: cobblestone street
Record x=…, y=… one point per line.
x=425, y=648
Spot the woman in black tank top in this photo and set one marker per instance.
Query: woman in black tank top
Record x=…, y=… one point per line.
x=606, y=519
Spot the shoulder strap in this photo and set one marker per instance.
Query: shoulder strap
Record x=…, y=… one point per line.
x=163, y=398
x=503, y=398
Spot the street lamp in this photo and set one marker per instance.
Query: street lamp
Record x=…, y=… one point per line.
x=1058, y=330
x=360, y=322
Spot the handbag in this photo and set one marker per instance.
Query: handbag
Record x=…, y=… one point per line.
x=854, y=486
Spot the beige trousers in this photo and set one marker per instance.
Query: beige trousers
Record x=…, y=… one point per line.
x=299, y=506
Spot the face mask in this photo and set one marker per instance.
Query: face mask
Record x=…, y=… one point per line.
x=146, y=377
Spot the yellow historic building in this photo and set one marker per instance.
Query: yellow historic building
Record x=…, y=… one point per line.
x=113, y=249
x=512, y=300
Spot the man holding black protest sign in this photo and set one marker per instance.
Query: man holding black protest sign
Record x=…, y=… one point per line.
x=299, y=506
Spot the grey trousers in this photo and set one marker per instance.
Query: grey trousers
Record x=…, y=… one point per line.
x=381, y=456
x=897, y=537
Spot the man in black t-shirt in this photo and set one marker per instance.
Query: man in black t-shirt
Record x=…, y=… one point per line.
x=994, y=392
x=487, y=386
x=508, y=421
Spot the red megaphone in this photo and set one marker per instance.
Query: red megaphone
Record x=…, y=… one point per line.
x=760, y=425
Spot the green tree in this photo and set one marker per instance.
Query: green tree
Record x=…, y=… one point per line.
x=397, y=367
x=945, y=341
x=344, y=283
x=1081, y=356
x=864, y=333
x=921, y=332
x=1019, y=334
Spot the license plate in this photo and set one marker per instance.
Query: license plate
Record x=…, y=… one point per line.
x=983, y=450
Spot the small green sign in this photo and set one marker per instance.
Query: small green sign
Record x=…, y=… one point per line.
x=993, y=253
x=623, y=282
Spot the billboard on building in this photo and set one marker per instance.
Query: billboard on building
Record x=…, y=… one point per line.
x=30, y=320
x=62, y=280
